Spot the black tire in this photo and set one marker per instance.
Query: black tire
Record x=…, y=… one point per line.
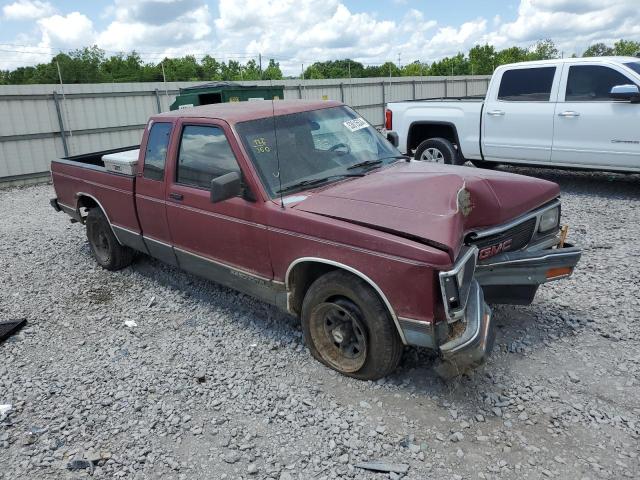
x=484, y=164
x=366, y=323
x=441, y=146
x=106, y=249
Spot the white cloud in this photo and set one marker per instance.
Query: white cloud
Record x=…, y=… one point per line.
x=27, y=10
x=302, y=31
x=69, y=31
x=163, y=26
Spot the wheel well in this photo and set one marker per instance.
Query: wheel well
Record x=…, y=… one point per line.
x=422, y=131
x=87, y=203
x=300, y=279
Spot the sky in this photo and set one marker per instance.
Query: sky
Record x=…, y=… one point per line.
x=299, y=32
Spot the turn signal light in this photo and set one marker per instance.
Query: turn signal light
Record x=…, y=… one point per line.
x=388, y=119
x=558, y=272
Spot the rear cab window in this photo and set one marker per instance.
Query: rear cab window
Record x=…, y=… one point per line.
x=527, y=84
x=204, y=154
x=155, y=155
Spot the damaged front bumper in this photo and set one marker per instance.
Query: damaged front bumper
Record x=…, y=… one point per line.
x=512, y=277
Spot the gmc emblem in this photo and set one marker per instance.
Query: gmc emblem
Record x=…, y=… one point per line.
x=492, y=250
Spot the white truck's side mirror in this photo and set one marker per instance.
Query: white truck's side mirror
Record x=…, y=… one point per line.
x=625, y=92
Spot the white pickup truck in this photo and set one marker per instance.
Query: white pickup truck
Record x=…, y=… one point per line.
x=573, y=112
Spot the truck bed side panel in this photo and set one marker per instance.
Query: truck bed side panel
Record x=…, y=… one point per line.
x=113, y=192
x=464, y=116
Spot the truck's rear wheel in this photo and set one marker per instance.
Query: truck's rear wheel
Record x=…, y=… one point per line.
x=106, y=249
x=438, y=150
x=348, y=328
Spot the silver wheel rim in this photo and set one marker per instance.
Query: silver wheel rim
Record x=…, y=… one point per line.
x=432, y=155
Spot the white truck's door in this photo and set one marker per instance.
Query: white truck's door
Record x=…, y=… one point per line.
x=591, y=128
x=517, y=121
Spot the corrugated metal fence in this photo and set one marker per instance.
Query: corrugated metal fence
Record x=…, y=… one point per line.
x=41, y=122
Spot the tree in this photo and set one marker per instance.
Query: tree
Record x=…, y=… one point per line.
x=482, y=59
x=458, y=65
x=544, y=50
x=626, y=48
x=414, y=69
x=251, y=71
x=211, y=68
x=598, y=50
x=512, y=55
x=272, y=72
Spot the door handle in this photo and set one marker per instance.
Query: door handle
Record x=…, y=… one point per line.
x=495, y=113
x=176, y=196
x=569, y=114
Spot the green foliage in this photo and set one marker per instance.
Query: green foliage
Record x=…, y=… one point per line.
x=91, y=65
x=598, y=50
x=626, y=48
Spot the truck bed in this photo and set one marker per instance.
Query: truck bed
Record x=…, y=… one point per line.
x=81, y=180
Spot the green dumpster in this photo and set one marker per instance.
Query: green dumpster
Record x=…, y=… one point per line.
x=220, y=92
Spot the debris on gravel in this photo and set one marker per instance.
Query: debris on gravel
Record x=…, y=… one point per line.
x=214, y=384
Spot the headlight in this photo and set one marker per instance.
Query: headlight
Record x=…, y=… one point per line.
x=549, y=220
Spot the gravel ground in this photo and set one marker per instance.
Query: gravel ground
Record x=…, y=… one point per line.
x=213, y=384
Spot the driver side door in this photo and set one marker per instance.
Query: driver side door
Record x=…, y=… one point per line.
x=590, y=127
x=224, y=241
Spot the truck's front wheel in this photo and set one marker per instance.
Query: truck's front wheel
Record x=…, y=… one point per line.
x=348, y=328
x=103, y=243
x=438, y=150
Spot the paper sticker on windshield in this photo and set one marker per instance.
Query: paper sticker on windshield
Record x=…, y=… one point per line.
x=356, y=124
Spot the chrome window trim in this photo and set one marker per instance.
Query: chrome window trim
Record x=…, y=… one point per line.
x=355, y=272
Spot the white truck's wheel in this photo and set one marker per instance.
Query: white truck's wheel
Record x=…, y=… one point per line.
x=438, y=150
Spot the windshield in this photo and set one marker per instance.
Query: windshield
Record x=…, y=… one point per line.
x=313, y=146
x=635, y=66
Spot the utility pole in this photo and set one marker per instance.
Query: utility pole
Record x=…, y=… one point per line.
x=66, y=108
x=164, y=79
x=260, y=64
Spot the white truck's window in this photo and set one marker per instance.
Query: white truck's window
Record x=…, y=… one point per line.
x=156, y=153
x=527, y=84
x=204, y=155
x=592, y=83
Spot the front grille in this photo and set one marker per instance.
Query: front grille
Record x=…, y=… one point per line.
x=520, y=235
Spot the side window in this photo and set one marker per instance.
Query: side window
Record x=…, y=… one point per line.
x=527, y=84
x=156, y=153
x=204, y=155
x=592, y=83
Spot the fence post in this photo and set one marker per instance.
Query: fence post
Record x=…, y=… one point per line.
x=61, y=124
x=446, y=88
x=342, y=92
x=300, y=91
x=158, y=101
x=414, y=89
x=466, y=87
x=384, y=100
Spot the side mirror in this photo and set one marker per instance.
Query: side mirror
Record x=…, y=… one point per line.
x=226, y=186
x=625, y=92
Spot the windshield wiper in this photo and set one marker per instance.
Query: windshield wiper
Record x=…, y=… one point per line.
x=316, y=181
x=366, y=163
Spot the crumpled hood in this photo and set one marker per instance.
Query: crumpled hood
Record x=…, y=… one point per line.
x=420, y=200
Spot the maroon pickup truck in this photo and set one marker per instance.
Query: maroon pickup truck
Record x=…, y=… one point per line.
x=306, y=206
